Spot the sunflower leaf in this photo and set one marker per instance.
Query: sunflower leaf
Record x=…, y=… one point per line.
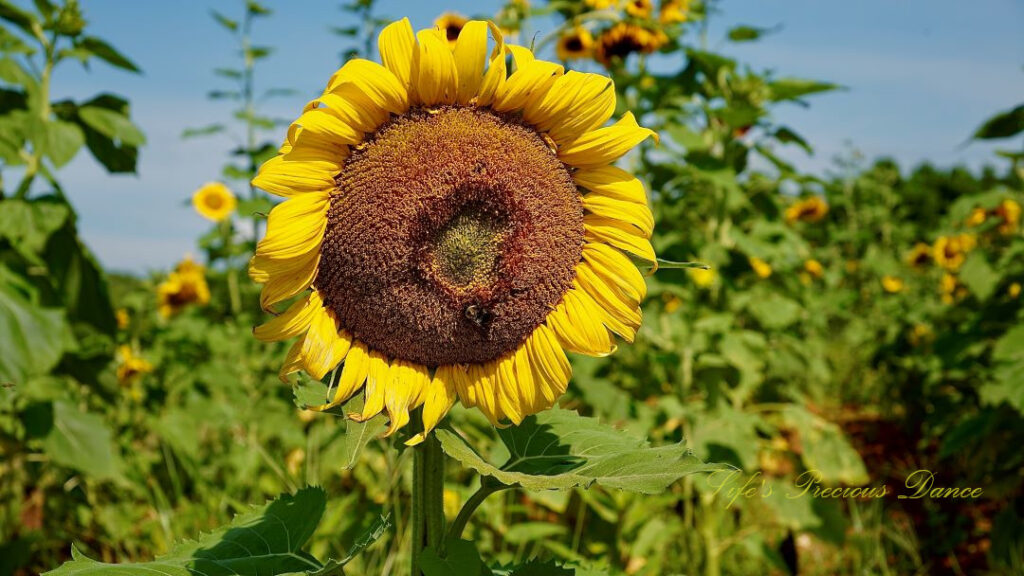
x=266, y=540
x=672, y=265
x=559, y=449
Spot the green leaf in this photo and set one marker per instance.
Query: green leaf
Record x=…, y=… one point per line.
x=116, y=155
x=356, y=435
x=203, y=131
x=16, y=16
x=747, y=33
x=826, y=449
x=1002, y=125
x=795, y=88
x=112, y=124
x=14, y=73
x=107, y=53
x=60, y=141
x=29, y=225
x=671, y=265
x=267, y=540
x=224, y=21
x=774, y=311
x=538, y=568
x=559, y=449
x=461, y=559
x=82, y=441
x=787, y=136
x=371, y=535
x=33, y=336
x=979, y=277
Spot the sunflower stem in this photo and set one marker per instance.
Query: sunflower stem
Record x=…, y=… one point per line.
x=474, y=502
x=427, y=496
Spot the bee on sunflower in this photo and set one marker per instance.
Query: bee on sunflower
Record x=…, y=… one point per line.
x=184, y=286
x=450, y=230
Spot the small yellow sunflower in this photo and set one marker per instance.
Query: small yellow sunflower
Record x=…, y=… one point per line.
x=124, y=318
x=950, y=251
x=639, y=8
x=814, y=268
x=811, y=209
x=214, y=201
x=761, y=268
x=951, y=289
x=1013, y=291
x=920, y=255
x=451, y=230
x=601, y=4
x=575, y=44
x=701, y=277
x=892, y=284
x=673, y=12
x=184, y=286
x=130, y=367
x=1008, y=212
x=977, y=217
x=618, y=42
x=451, y=24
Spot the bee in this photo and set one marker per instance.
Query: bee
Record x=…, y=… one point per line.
x=478, y=314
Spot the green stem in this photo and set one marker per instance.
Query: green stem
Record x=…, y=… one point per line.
x=474, y=502
x=427, y=496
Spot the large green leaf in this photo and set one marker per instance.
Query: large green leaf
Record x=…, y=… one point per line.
x=356, y=435
x=1002, y=125
x=461, y=559
x=826, y=449
x=82, y=441
x=267, y=540
x=559, y=449
x=60, y=141
x=29, y=225
x=795, y=88
x=33, y=337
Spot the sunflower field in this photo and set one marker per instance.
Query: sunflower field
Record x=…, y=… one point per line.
x=536, y=292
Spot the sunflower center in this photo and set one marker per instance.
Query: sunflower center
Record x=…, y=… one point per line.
x=214, y=201
x=452, y=233
x=574, y=44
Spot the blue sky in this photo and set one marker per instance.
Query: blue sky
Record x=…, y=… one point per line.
x=920, y=75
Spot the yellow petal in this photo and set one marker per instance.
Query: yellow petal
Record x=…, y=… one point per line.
x=353, y=107
x=638, y=215
x=622, y=236
x=611, y=181
x=406, y=383
x=615, y=268
x=509, y=398
x=470, y=55
x=292, y=322
x=551, y=369
x=321, y=123
x=295, y=226
x=578, y=328
x=377, y=375
x=531, y=81
x=378, y=83
x=494, y=79
x=436, y=76
x=577, y=102
x=397, y=44
x=530, y=398
x=283, y=278
x=438, y=399
x=480, y=387
x=618, y=315
x=292, y=361
x=287, y=178
x=605, y=145
x=521, y=55
x=353, y=373
x=323, y=347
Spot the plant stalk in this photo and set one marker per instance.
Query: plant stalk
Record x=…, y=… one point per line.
x=427, y=496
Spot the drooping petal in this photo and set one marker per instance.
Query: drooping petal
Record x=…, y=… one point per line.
x=292, y=361
x=576, y=103
x=507, y=388
x=324, y=347
x=480, y=387
x=605, y=145
x=438, y=399
x=397, y=44
x=407, y=382
x=578, y=329
x=551, y=369
x=353, y=373
x=625, y=237
x=470, y=55
x=435, y=74
x=377, y=374
x=620, y=316
x=295, y=226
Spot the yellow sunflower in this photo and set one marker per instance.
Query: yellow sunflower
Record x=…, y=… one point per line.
x=673, y=12
x=639, y=8
x=450, y=24
x=761, y=268
x=130, y=367
x=920, y=255
x=601, y=4
x=1008, y=212
x=951, y=251
x=214, y=201
x=814, y=268
x=575, y=44
x=892, y=284
x=618, y=42
x=811, y=209
x=185, y=285
x=451, y=230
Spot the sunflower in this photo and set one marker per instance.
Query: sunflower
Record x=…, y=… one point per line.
x=892, y=284
x=130, y=367
x=920, y=255
x=760, y=267
x=601, y=4
x=673, y=12
x=575, y=44
x=814, y=268
x=185, y=285
x=623, y=39
x=702, y=277
x=977, y=217
x=811, y=209
x=214, y=201
x=1013, y=291
x=451, y=24
x=639, y=8
x=1008, y=212
x=450, y=230
x=950, y=251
